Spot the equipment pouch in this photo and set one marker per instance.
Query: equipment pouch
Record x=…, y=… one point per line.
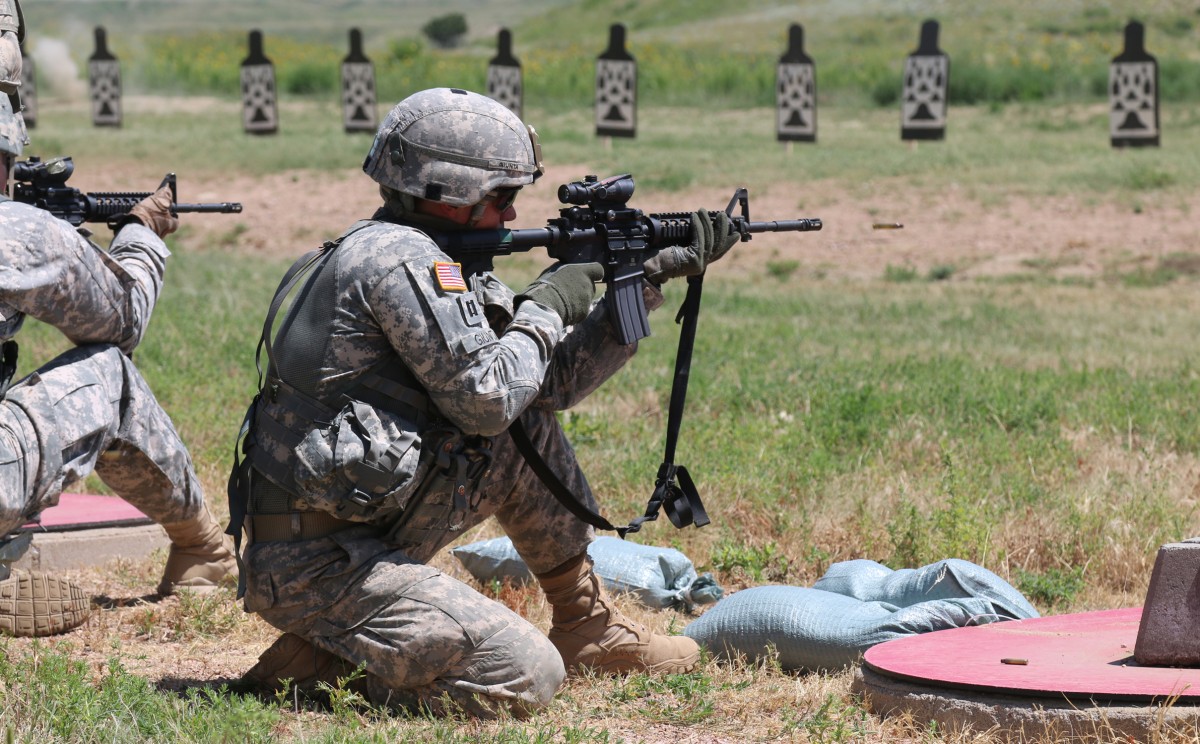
x=449, y=498
x=362, y=465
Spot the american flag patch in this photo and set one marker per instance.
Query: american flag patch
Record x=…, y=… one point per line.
x=449, y=276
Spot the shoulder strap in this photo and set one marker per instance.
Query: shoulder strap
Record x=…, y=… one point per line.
x=238, y=488
x=550, y=479
x=8, y=365
x=291, y=278
x=674, y=491
x=680, y=500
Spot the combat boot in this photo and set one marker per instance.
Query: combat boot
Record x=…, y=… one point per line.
x=34, y=603
x=590, y=633
x=293, y=658
x=200, y=558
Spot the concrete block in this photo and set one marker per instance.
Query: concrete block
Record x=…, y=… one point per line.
x=1167, y=634
x=53, y=551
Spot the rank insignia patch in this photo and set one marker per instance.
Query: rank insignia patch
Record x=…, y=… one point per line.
x=449, y=276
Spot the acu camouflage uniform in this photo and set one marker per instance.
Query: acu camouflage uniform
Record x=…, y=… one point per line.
x=88, y=409
x=349, y=502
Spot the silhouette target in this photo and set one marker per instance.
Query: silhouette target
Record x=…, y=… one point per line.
x=1133, y=93
x=616, y=88
x=796, y=92
x=358, y=88
x=504, y=81
x=259, y=108
x=926, y=90
x=104, y=83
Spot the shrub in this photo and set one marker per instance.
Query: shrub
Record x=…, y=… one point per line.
x=447, y=30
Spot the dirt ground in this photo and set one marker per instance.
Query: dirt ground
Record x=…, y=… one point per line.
x=178, y=643
x=1057, y=237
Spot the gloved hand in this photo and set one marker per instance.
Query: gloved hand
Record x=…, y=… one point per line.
x=155, y=212
x=567, y=289
x=712, y=237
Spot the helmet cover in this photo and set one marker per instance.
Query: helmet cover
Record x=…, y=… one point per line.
x=452, y=146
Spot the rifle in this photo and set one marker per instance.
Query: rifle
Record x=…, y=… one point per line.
x=600, y=227
x=43, y=184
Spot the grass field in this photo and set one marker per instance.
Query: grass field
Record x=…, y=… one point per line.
x=689, y=53
x=1036, y=421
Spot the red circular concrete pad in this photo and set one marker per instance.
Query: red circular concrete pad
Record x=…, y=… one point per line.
x=1085, y=656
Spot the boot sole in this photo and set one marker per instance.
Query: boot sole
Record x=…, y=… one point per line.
x=36, y=604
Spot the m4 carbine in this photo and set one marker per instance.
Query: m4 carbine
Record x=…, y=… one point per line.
x=43, y=184
x=600, y=227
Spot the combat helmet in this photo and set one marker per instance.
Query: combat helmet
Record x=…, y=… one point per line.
x=12, y=128
x=452, y=146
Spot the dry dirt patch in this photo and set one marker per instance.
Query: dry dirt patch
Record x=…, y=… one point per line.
x=1066, y=236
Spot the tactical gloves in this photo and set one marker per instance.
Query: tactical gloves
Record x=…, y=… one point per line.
x=567, y=289
x=155, y=212
x=712, y=237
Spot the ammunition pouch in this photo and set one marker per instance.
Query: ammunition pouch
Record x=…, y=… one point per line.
x=451, y=488
x=358, y=463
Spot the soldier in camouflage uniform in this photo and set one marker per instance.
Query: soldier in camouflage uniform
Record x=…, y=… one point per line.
x=89, y=409
x=381, y=435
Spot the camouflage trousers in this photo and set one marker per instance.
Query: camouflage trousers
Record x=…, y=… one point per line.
x=90, y=410
x=367, y=595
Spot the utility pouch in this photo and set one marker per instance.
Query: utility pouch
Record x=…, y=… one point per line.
x=363, y=464
x=452, y=487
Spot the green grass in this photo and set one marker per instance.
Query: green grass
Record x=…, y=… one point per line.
x=689, y=53
x=1022, y=425
x=989, y=155
x=1018, y=422
x=51, y=697
x=976, y=389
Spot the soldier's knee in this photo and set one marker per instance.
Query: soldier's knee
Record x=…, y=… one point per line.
x=521, y=678
x=544, y=671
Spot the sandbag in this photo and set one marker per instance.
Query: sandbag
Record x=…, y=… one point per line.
x=856, y=605
x=659, y=577
x=947, y=579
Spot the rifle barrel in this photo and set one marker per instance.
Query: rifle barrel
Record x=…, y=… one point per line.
x=802, y=225
x=217, y=207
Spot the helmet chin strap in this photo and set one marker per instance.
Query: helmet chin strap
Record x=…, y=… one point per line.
x=476, y=214
x=404, y=207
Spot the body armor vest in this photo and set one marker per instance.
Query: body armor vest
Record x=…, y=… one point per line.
x=353, y=457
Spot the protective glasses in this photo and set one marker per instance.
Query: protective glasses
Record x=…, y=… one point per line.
x=503, y=198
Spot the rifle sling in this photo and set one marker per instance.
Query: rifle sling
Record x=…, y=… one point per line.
x=674, y=490
x=8, y=365
x=680, y=500
x=555, y=484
